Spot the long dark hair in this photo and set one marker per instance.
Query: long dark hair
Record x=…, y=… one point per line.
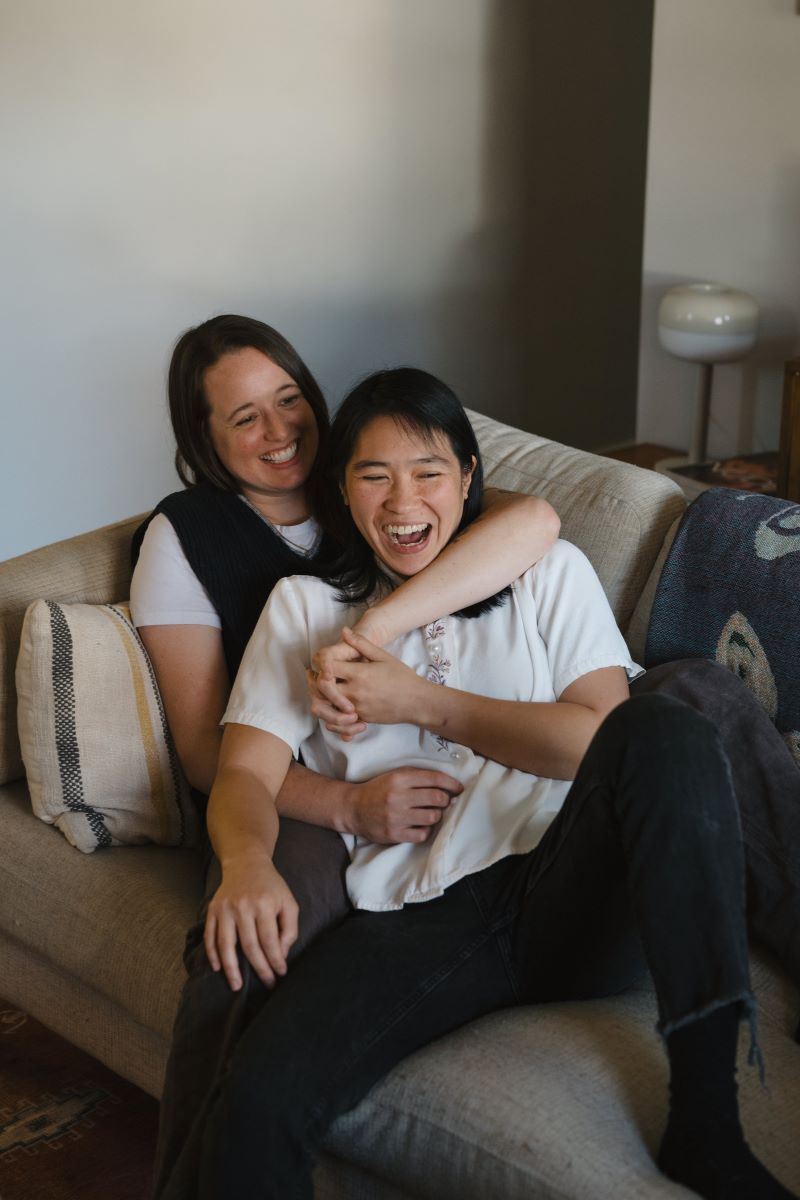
x=423, y=405
x=196, y=460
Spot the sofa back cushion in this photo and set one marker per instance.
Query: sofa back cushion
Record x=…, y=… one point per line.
x=94, y=567
x=616, y=513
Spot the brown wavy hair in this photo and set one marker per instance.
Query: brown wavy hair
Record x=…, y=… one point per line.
x=199, y=348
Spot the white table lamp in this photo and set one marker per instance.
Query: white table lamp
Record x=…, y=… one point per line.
x=706, y=323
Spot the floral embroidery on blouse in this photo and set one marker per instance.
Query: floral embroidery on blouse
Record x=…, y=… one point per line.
x=439, y=668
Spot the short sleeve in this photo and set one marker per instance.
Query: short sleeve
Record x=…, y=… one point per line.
x=164, y=588
x=574, y=618
x=269, y=691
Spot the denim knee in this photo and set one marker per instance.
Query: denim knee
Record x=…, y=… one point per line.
x=672, y=751
x=662, y=726
x=257, y=1139
x=267, y=1108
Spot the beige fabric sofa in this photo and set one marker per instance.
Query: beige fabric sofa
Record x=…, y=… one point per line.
x=564, y=1100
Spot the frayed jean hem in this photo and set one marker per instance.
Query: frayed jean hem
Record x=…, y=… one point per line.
x=749, y=1013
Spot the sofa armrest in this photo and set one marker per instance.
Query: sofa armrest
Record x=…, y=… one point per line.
x=93, y=567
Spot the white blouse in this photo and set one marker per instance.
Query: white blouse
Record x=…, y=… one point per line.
x=555, y=627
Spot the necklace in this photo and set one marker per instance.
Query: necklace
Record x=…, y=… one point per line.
x=278, y=530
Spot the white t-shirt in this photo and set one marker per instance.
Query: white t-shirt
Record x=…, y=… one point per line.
x=555, y=627
x=165, y=589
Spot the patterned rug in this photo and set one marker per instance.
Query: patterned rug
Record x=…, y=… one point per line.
x=70, y=1129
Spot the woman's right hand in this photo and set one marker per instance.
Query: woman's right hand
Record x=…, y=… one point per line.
x=253, y=907
x=403, y=805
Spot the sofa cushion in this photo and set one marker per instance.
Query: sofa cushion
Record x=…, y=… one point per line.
x=114, y=921
x=636, y=636
x=100, y=761
x=616, y=513
x=553, y=1101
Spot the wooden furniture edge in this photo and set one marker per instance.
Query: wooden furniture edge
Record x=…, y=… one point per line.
x=789, y=454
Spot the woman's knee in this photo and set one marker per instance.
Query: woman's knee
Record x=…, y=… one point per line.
x=672, y=776
x=263, y=1095
x=658, y=719
x=666, y=739
x=668, y=677
x=700, y=682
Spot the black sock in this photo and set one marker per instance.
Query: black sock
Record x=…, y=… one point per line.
x=704, y=1146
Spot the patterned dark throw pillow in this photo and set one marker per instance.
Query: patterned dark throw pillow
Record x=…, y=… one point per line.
x=729, y=592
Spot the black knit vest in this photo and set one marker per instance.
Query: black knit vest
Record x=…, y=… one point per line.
x=236, y=556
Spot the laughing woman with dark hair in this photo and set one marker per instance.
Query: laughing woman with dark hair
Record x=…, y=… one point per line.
x=562, y=778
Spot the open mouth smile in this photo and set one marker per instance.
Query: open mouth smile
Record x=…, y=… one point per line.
x=408, y=537
x=278, y=457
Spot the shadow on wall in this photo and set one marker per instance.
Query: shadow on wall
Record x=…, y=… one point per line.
x=533, y=315
x=565, y=138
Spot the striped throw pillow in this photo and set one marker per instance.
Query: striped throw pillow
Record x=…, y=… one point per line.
x=95, y=743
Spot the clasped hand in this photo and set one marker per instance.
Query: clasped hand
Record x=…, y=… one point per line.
x=354, y=683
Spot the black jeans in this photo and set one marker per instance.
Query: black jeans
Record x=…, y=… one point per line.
x=210, y=1017
x=767, y=783
x=644, y=862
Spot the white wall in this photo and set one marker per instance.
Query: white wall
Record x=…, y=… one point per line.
x=316, y=164
x=723, y=204
x=385, y=181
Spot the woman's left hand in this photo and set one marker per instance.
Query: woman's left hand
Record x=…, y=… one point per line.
x=329, y=705
x=374, y=685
